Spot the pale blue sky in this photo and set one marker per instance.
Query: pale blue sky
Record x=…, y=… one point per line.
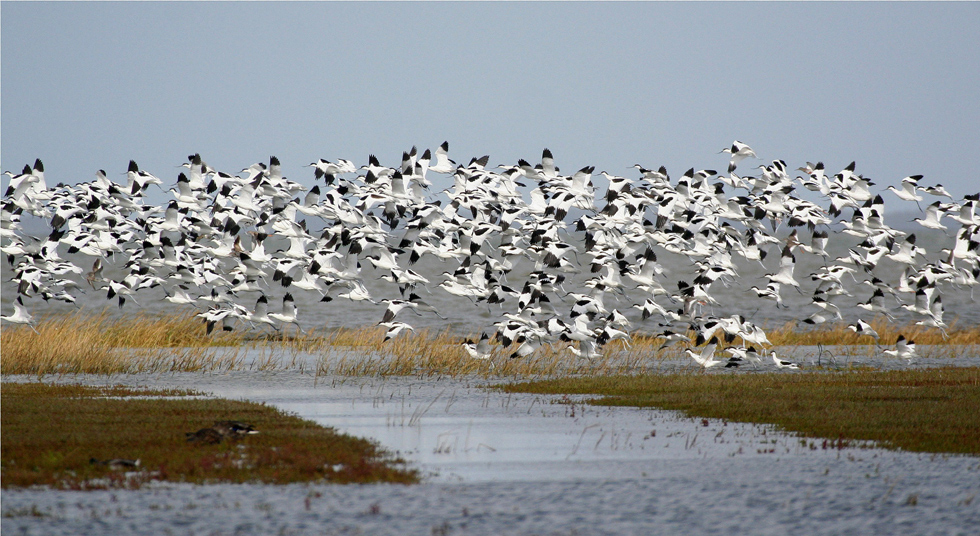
x=894, y=86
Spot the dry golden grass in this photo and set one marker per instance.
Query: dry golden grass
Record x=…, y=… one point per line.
x=441, y=354
x=95, y=344
x=790, y=334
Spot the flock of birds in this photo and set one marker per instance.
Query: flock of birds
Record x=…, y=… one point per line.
x=213, y=246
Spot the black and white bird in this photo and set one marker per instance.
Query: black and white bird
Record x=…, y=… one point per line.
x=443, y=163
x=863, y=328
x=394, y=329
x=20, y=316
x=395, y=307
x=706, y=356
x=904, y=349
x=909, y=188
x=289, y=312
x=556, y=257
x=480, y=349
x=782, y=363
x=787, y=264
x=738, y=151
x=932, y=217
x=587, y=349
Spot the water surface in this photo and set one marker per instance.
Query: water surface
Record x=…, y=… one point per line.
x=521, y=464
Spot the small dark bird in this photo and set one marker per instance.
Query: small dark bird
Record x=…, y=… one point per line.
x=116, y=464
x=233, y=428
x=205, y=436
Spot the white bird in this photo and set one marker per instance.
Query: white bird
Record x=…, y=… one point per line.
x=781, y=363
x=357, y=292
x=749, y=354
x=771, y=292
x=966, y=215
x=931, y=221
x=922, y=304
x=529, y=341
x=609, y=333
x=904, y=349
x=818, y=244
x=739, y=152
x=179, y=296
x=480, y=349
x=706, y=357
x=817, y=318
x=289, y=312
x=442, y=164
x=20, y=316
x=327, y=168
x=138, y=181
x=876, y=303
x=935, y=317
x=909, y=186
x=650, y=308
x=260, y=314
x=488, y=227
x=421, y=306
x=223, y=314
x=863, y=328
x=671, y=338
x=787, y=263
x=906, y=252
x=587, y=349
x=936, y=190
x=395, y=307
x=121, y=290
x=395, y=328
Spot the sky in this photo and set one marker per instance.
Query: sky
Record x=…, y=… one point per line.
x=892, y=86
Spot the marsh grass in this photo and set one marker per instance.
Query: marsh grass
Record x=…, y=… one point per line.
x=791, y=334
x=98, y=344
x=928, y=410
x=365, y=353
x=178, y=343
x=50, y=433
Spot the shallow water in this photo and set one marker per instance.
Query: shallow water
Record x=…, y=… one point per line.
x=520, y=464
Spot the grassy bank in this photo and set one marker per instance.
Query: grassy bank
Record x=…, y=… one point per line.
x=51, y=433
x=933, y=410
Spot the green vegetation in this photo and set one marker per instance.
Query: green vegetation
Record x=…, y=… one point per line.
x=931, y=410
x=50, y=434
